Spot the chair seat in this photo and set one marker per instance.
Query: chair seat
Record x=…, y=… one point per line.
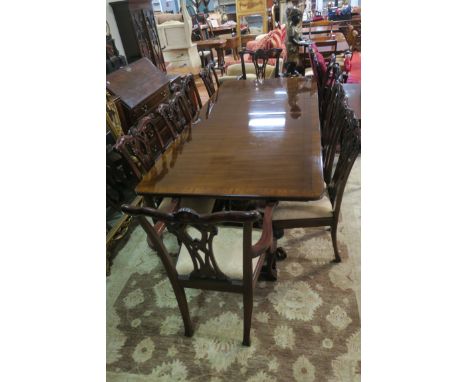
x=165, y=205
x=200, y=205
x=303, y=210
x=227, y=249
x=249, y=76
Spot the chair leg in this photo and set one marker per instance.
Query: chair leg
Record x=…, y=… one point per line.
x=334, y=230
x=183, y=307
x=248, y=307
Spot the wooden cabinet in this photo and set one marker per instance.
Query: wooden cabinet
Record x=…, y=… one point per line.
x=137, y=28
x=141, y=88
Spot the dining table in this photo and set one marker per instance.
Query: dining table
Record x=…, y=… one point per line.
x=321, y=29
x=219, y=44
x=260, y=140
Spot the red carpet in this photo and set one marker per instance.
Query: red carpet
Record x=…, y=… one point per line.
x=355, y=73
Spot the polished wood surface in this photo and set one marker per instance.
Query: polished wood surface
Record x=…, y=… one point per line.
x=233, y=43
x=353, y=94
x=211, y=43
x=320, y=29
x=339, y=37
x=136, y=82
x=260, y=141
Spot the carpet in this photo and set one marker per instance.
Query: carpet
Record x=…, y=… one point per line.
x=305, y=326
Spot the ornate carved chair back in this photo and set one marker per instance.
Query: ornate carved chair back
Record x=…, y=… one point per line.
x=332, y=127
x=333, y=74
x=206, y=75
x=189, y=88
x=179, y=104
x=350, y=148
x=147, y=129
x=260, y=60
x=197, y=265
x=137, y=153
x=169, y=115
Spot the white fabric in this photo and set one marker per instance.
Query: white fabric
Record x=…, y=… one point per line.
x=303, y=210
x=199, y=205
x=165, y=204
x=227, y=249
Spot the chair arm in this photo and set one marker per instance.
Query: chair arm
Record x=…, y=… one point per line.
x=266, y=239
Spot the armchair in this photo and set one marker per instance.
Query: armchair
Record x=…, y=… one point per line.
x=212, y=256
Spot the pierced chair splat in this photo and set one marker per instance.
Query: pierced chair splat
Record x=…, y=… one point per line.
x=210, y=78
x=260, y=59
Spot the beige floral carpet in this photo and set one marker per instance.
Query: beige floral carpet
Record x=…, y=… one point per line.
x=305, y=326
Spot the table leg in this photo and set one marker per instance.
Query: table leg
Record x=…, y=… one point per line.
x=220, y=52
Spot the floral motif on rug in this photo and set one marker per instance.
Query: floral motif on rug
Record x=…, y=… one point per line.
x=305, y=326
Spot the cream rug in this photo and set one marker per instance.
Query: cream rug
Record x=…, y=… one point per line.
x=305, y=326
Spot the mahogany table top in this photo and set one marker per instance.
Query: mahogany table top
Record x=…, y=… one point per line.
x=211, y=43
x=320, y=29
x=261, y=141
x=353, y=94
x=339, y=37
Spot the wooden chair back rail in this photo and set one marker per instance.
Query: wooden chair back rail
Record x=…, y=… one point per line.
x=260, y=59
x=332, y=131
x=350, y=148
x=148, y=130
x=137, y=153
x=209, y=77
x=206, y=273
x=190, y=92
x=176, y=114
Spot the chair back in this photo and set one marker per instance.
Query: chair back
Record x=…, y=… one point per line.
x=192, y=96
x=183, y=223
x=350, y=148
x=176, y=114
x=260, y=60
x=209, y=77
x=137, y=153
x=147, y=129
x=332, y=128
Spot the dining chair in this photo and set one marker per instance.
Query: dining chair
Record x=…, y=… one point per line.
x=210, y=78
x=144, y=146
x=190, y=90
x=335, y=120
x=176, y=114
x=260, y=59
x=326, y=211
x=212, y=256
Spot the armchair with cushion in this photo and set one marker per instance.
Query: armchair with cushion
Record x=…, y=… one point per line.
x=234, y=71
x=212, y=256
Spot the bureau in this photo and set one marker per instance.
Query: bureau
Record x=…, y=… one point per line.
x=141, y=88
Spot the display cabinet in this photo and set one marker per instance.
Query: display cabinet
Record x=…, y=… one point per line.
x=137, y=28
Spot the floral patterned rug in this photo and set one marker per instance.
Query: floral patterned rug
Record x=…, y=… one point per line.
x=305, y=326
